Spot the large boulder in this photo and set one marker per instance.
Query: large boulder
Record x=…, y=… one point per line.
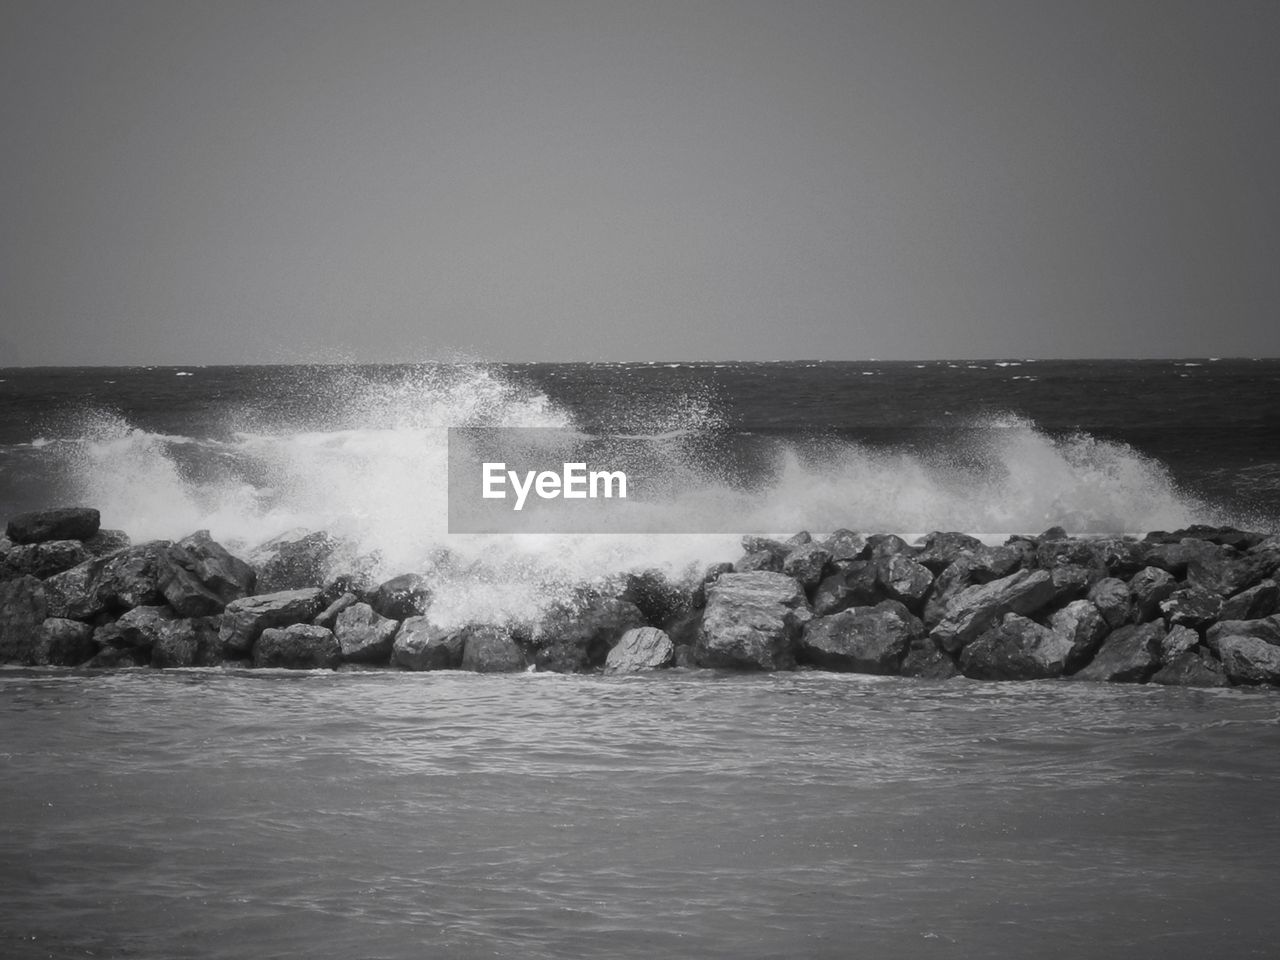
x=845, y=545
x=106, y=542
x=42, y=559
x=1193, y=607
x=1130, y=655
x=807, y=563
x=855, y=584
x=1254, y=603
x=1017, y=649
x=23, y=609
x=977, y=609
x=881, y=545
x=329, y=615
x=187, y=642
x=1082, y=628
x=141, y=627
x=300, y=646
x=860, y=640
x=640, y=649
x=1226, y=572
x=577, y=634
x=294, y=562
x=941, y=549
x=903, y=579
x=659, y=600
x=63, y=523
x=1121, y=556
x=1176, y=642
x=1248, y=659
x=490, y=649
x=1176, y=557
x=245, y=619
x=926, y=660
x=120, y=581
x=1191, y=668
x=1113, y=598
x=1266, y=629
x=363, y=635
x=402, y=597
x=62, y=643
x=421, y=645
x=752, y=622
x=1148, y=587
x=198, y=577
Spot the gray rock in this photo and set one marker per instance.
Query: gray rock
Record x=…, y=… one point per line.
x=62, y=643
x=577, y=634
x=363, y=635
x=1064, y=552
x=491, y=649
x=300, y=646
x=845, y=545
x=188, y=642
x=1266, y=629
x=106, y=542
x=42, y=559
x=421, y=645
x=1070, y=581
x=1226, y=572
x=327, y=616
x=795, y=540
x=1148, y=587
x=245, y=619
x=1130, y=655
x=23, y=609
x=1248, y=659
x=402, y=597
x=1017, y=649
x=198, y=577
x=950, y=583
x=757, y=560
x=1121, y=556
x=1112, y=597
x=940, y=549
x=140, y=627
x=639, y=650
x=120, y=581
x=881, y=545
x=855, y=584
x=778, y=548
x=63, y=523
x=1193, y=607
x=977, y=609
x=1175, y=557
x=1254, y=603
x=806, y=563
x=1082, y=628
x=292, y=562
x=752, y=621
x=1177, y=641
x=927, y=661
x=860, y=640
x=1191, y=668
x=904, y=580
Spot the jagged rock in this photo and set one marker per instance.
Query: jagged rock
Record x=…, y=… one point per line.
x=1191, y=668
x=806, y=563
x=42, y=559
x=845, y=545
x=941, y=549
x=577, y=634
x=854, y=585
x=140, y=627
x=1017, y=649
x=358, y=582
x=1248, y=659
x=641, y=649
x=758, y=560
x=290, y=562
x=62, y=643
x=950, y=583
x=245, y=619
x=1063, y=552
x=1226, y=572
x=198, y=577
x=63, y=523
x=977, y=609
x=188, y=642
x=402, y=597
x=766, y=545
x=713, y=572
x=1193, y=607
x=860, y=640
x=927, y=661
x=1148, y=587
x=1266, y=629
x=106, y=542
x=1224, y=536
x=327, y=616
x=1082, y=627
x=882, y=545
x=1177, y=641
x=300, y=646
x=363, y=635
x=1175, y=557
x=1070, y=582
x=1258, y=601
x=796, y=539
x=659, y=600
x=1121, y=556
x=1130, y=655
x=23, y=609
x=752, y=621
x=120, y=581
x=1025, y=548
x=421, y=645
x=490, y=649
x=904, y=580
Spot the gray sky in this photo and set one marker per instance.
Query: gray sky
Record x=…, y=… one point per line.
x=272, y=181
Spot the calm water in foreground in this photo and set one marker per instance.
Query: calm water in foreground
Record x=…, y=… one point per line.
x=218, y=814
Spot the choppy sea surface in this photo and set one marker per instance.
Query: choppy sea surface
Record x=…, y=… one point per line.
x=208, y=814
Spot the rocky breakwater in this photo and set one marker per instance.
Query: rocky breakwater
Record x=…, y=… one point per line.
x=1195, y=607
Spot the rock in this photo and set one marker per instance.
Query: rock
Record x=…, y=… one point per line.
x=327, y=616
x=140, y=627
x=940, y=550
x=860, y=640
x=752, y=621
x=977, y=609
x=198, y=577
x=854, y=585
x=1175, y=557
x=577, y=634
x=1258, y=601
x=120, y=581
x=950, y=583
x=1177, y=641
x=245, y=619
x=42, y=559
x=1266, y=629
x=1148, y=587
x=1121, y=556
x=300, y=646
x=845, y=545
x=421, y=645
x=402, y=597
x=806, y=564
x=118, y=658
x=293, y=563
x=1025, y=548
x=1248, y=659
x=106, y=542
x=713, y=572
x=23, y=610
x=1226, y=572
x=1063, y=552
x=62, y=643
x=1193, y=607
x=1130, y=655
x=659, y=600
x=766, y=545
x=904, y=580
x=992, y=563
x=490, y=649
x=1223, y=536
x=1017, y=649
x=641, y=649
x=188, y=642
x=1070, y=581
x=363, y=635
x=927, y=661
x=797, y=539
x=763, y=560
x=882, y=545
x=64, y=523
x=1191, y=668
x=1082, y=628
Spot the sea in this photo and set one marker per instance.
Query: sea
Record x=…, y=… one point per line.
x=227, y=813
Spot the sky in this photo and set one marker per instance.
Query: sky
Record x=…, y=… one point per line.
x=242, y=182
